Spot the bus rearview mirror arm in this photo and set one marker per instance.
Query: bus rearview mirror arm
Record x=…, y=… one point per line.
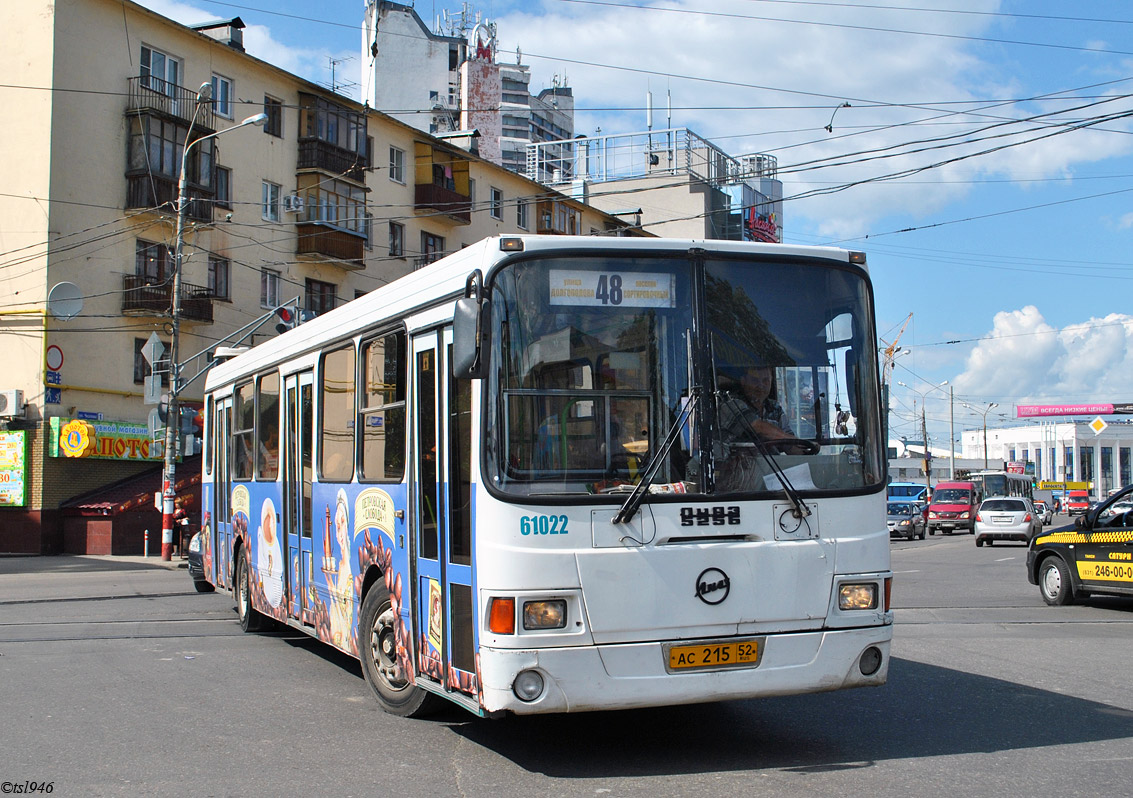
x=471, y=324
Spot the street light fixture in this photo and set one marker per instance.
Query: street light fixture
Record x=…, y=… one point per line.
x=984, y=413
x=924, y=432
x=173, y=417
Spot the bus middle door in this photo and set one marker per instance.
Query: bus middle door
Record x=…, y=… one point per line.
x=298, y=474
x=441, y=507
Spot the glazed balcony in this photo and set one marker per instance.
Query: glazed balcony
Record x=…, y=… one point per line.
x=315, y=153
x=324, y=241
x=157, y=192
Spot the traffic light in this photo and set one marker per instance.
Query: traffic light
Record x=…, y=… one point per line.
x=288, y=318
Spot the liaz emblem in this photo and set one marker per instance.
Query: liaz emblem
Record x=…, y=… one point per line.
x=713, y=586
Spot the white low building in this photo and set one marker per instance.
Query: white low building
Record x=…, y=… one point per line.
x=1061, y=451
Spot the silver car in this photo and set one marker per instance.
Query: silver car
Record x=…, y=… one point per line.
x=1006, y=518
x=1042, y=512
x=906, y=519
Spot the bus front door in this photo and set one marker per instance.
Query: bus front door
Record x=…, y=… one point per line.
x=298, y=473
x=220, y=537
x=442, y=513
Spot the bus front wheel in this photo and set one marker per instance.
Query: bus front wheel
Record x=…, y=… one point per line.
x=377, y=648
x=250, y=619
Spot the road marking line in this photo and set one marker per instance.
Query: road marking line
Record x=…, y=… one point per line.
x=1005, y=559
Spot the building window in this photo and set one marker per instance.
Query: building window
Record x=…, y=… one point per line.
x=396, y=165
x=332, y=123
x=270, y=202
x=142, y=369
x=153, y=262
x=1125, y=467
x=320, y=296
x=432, y=247
x=396, y=240
x=274, y=109
x=1107, y=469
x=496, y=210
x=1069, y=464
x=224, y=186
x=218, y=277
x=1086, y=464
x=269, y=288
x=222, y=96
x=155, y=146
x=160, y=71
x=521, y=214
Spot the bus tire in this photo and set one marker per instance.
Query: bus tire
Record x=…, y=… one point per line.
x=250, y=618
x=377, y=649
x=1054, y=582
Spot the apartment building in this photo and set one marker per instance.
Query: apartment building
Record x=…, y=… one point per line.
x=324, y=201
x=457, y=81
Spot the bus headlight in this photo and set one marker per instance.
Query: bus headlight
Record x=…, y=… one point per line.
x=857, y=597
x=544, y=614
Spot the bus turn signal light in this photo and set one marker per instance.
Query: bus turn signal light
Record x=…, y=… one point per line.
x=501, y=615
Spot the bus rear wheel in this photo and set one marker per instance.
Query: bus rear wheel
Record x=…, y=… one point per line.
x=377, y=648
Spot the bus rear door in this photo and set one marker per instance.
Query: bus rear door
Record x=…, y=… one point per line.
x=442, y=512
x=221, y=533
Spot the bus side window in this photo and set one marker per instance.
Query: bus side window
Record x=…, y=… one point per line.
x=244, y=432
x=383, y=408
x=337, y=416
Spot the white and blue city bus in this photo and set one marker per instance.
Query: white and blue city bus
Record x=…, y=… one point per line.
x=513, y=479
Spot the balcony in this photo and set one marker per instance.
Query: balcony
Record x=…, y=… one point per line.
x=330, y=242
x=318, y=154
x=149, y=95
x=453, y=204
x=142, y=298
x=158, y=192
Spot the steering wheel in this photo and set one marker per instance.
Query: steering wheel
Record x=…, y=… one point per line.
x=808, y=447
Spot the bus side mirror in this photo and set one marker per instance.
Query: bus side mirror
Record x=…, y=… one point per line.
x=471, y=338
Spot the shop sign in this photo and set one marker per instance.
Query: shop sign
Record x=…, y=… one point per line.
x=101, y=440
x=13, y=468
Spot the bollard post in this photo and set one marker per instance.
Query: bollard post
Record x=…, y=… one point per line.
x=145, y=544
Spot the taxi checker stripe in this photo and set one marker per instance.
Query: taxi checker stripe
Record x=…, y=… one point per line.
x=1094, y=537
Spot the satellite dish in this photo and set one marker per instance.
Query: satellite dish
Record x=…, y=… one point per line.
x=65, y=301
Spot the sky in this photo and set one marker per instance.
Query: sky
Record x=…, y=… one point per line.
x=978, y=151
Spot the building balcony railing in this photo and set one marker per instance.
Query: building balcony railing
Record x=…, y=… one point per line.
x=330, y=242
x=158, y=192
x=148, y=94
x=457, y=206
x=145, y=298
x=319, y=154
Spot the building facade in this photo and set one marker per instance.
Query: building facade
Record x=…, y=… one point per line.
x=325, y=201
x=1061, y=451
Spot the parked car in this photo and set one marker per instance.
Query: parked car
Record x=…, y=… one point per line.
x=906, y=519
x=1044, y=513
x=1006, y=518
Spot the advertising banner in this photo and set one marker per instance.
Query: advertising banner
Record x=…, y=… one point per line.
x=101, y=440
x=13, y=468
x=1041, y=411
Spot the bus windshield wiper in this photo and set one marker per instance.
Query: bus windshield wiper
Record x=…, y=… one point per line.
x=798, y=507
x=629, y=509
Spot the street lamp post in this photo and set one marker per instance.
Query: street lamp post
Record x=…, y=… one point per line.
x=173, y=412
x=984, y=413
x=924, y=432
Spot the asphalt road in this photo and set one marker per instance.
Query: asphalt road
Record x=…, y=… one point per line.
x=116, y=678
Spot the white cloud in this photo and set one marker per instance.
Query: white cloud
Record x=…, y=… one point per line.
x=1025, y=360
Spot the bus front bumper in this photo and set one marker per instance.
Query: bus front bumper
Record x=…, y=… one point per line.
x=632, y=675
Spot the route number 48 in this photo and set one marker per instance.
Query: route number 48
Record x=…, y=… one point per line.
x=609, y=290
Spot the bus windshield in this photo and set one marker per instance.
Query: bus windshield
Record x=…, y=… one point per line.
x=595, y=358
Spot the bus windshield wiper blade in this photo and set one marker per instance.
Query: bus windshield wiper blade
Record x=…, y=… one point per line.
x=629, y=509
x=798, y=507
